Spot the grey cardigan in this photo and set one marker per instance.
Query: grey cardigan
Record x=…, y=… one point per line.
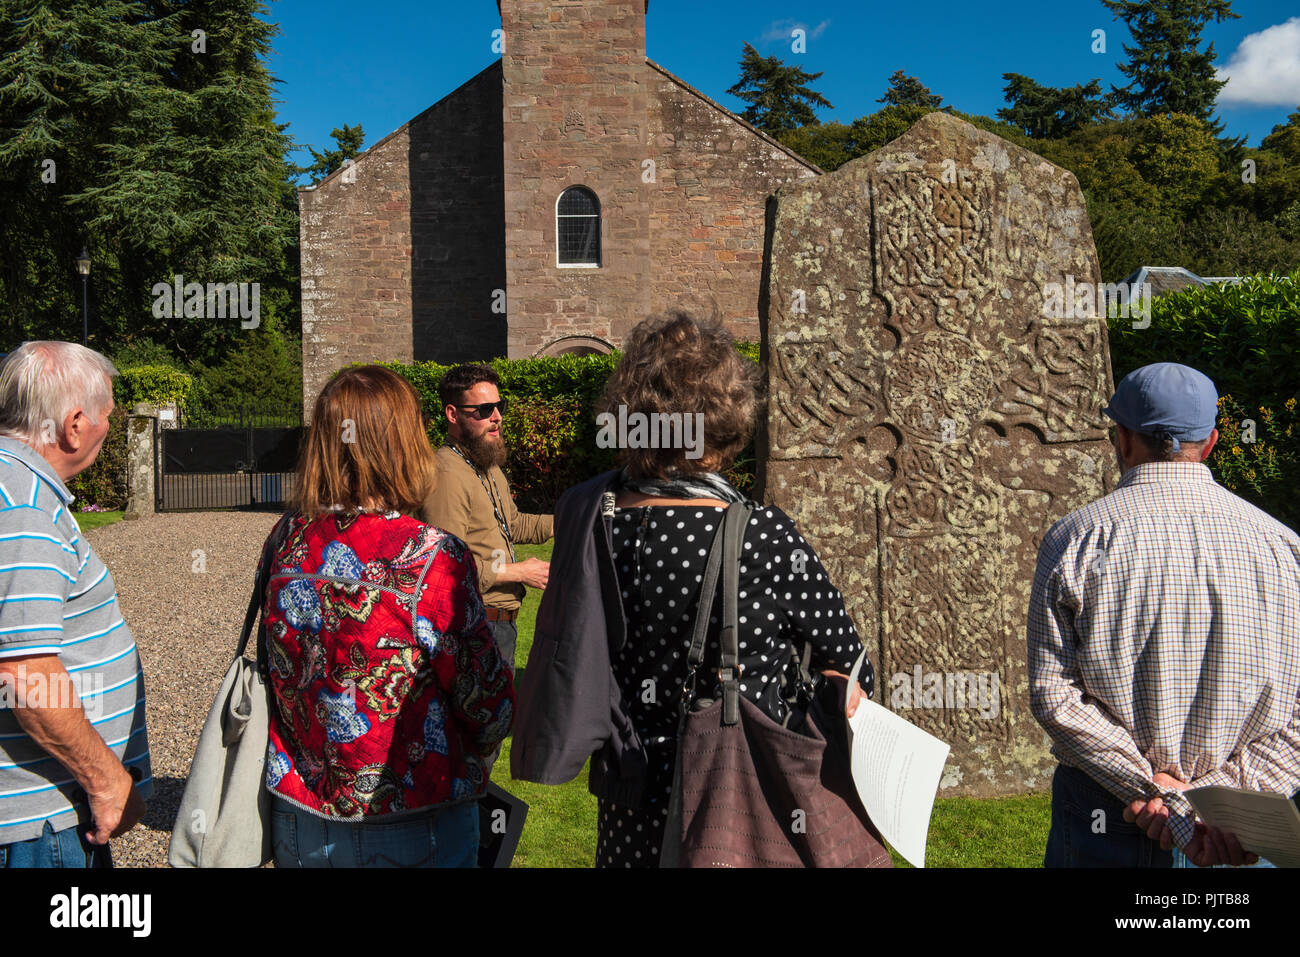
x=569, y=705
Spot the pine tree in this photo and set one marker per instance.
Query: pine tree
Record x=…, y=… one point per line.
x=778, y=95
x=1048, y=112
x=194, y=185
x=907, y=90
x=168, y=160
x=70, y=70
x=347, y=141
x=1167, y=69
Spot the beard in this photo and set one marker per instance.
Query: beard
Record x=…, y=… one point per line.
x=484, y=452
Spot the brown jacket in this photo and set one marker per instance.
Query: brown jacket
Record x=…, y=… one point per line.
x=460, y=504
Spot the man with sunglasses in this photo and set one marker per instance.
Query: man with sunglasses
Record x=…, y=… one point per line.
x=471, y=498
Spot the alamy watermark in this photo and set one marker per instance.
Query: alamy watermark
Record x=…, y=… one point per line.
x=59, y=690
x=218, y=300
x=77, y=910
x=1088, y=300
x=961, y=690
x=656, y=430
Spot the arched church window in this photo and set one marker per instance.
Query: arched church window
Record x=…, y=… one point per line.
x=577, y=228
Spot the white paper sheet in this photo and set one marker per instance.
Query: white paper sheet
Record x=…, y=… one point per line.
x=1265, y=823
x=896, y=767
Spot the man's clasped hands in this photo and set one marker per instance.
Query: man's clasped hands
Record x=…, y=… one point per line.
x=1209, y=846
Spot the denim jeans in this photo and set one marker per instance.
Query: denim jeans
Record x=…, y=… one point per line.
x=444, y=838
x=1089, y=830
x=1180, y=860
x=65, y=848
x=506, y=635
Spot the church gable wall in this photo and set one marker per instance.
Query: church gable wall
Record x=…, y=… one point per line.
x=713, y=177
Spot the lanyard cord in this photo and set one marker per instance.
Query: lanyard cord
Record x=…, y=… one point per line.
x=497, y=513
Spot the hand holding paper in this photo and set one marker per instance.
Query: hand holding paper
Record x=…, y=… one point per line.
x=1267, y=824
x=896, y=767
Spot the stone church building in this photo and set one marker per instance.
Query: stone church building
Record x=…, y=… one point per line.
x=544, y=207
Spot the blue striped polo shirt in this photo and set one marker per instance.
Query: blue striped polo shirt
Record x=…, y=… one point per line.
x=57, y=598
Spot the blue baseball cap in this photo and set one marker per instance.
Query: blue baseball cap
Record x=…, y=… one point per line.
x=1166, y=399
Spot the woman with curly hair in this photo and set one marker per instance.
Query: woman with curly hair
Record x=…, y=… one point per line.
x=387, y=688
x=663, y=509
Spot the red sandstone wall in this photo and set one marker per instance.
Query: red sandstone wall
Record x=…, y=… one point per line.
x=356, y=265
x=392, y=271
x=403, y=262
x=575, y=107
x=714, y=176
x=458, y=232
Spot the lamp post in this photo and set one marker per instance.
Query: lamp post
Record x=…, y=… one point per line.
x=83, y=267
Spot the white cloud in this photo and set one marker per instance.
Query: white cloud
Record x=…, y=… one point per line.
x=782, y=30
x=1265, y=68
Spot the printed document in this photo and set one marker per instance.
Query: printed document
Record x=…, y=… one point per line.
x=1265, y=823
x=896, y=767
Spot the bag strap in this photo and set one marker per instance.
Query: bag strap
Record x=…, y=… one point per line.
x=724, y=560
x=700, y=634
x=259, y=588
x=733, y=531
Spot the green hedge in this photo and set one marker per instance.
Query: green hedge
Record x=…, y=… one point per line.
x=156, y=383
x=1246, y=337
x=104, y=483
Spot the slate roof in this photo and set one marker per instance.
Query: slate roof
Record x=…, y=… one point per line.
x=1163, y=280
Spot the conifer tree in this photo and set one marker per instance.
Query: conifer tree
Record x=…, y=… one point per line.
x=347, y=143
x=1048, y=112
x=1168, y=71
x=907, y=90
x=157, y=116
x=779, y=97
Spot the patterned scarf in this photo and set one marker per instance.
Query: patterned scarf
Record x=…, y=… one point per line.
x=698, y=485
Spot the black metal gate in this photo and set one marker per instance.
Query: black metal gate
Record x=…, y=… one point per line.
x=236, y=458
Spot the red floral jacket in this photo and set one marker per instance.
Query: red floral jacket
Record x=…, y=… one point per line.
x=387, y=686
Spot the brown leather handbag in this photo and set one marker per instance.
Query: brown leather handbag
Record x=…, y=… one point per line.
x=747, y=791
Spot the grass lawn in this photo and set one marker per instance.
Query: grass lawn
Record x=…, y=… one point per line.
x=993, y=832
x=964, y=832
x=89, y=520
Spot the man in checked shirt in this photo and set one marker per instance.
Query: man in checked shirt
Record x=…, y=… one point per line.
x=1163, y=649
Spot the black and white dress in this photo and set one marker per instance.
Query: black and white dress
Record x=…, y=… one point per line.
x=785, y=599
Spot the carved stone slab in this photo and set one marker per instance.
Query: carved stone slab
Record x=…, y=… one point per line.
x=928, y=418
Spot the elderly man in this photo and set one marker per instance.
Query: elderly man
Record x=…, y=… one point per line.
x=1163, y=649
x=74, y=754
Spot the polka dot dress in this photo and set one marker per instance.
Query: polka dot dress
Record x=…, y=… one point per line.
x=785, y=599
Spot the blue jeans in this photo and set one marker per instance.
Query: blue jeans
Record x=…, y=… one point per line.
x=1180, y=860
x=442, y=838
x=1089, y=830
x=506, y=635
x=65, y=848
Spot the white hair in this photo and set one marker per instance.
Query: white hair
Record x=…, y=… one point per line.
x=41, y=383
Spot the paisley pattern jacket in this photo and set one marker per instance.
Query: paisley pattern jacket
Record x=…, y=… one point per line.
x=387, y=688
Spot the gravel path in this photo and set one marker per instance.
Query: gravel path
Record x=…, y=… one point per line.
x=186, y=622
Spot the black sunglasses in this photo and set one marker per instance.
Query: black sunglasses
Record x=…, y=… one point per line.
x=484, y=409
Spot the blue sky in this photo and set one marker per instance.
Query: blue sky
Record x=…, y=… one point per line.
x=380, y=64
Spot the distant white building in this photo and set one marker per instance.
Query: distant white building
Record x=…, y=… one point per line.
x=1161, y=280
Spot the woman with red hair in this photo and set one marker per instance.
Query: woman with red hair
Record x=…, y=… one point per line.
x=387, y=688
